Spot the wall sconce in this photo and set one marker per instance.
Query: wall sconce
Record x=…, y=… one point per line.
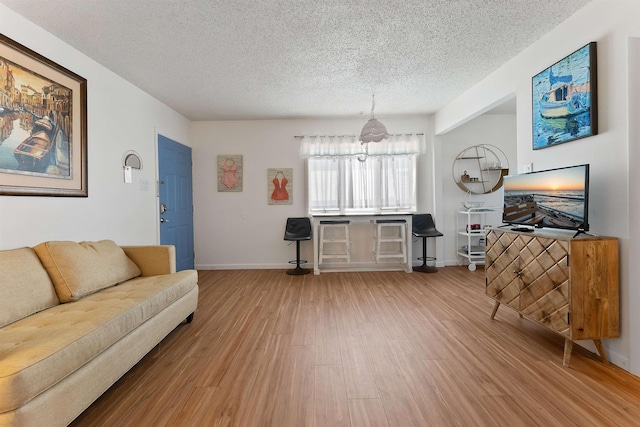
x=130, y=160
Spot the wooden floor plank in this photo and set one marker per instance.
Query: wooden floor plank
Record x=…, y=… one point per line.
x=331, y=407
x=359, y=380
x=422, y=384
x=367, y=413
x=399, y=403
x=362, y=349
x=292, y=401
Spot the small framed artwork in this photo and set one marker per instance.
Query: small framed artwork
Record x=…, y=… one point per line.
x=279, y=186
x=230, y=173
x=43, y=122
x=565, y=99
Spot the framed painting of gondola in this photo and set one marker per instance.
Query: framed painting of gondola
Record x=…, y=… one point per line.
x=565, y=99
x=43, y=125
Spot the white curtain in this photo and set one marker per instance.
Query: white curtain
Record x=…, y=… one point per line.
x=398, y=182
x=324, y=191
x=361, y=183
x=342, y=179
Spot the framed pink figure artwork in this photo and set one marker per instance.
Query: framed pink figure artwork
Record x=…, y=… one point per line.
x=229, y=173
x=279, y=186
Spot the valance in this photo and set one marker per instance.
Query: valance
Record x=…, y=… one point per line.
x=331, y=146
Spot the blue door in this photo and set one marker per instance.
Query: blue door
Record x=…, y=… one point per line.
x=176, y=200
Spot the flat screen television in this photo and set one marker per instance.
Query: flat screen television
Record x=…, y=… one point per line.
x=557, y=198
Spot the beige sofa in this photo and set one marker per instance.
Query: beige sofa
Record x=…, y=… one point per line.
x=74, y=317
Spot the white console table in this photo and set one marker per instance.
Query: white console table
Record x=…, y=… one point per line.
x=361, y=236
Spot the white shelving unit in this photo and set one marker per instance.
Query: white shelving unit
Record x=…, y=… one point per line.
x=471, y=224
x=479, y=169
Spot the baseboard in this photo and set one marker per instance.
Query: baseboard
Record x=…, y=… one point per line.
x=618, y=359
x=455, y=263
x=615, y=358
x=439, y=264
x=246, y=266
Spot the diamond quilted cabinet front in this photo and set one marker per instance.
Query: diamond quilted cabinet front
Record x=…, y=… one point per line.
x=545, y=290
x=502, y=267
x=531, y=275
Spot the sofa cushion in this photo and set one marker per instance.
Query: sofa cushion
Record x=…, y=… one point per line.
x=39, y=351
x=25, y=286
x=79, y=269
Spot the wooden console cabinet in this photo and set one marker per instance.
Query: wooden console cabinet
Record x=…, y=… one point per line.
x=569, y=285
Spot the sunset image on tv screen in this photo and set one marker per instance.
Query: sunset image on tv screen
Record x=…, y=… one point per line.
x=552, y=198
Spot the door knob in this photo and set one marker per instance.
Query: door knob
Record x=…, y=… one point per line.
x=164, y=220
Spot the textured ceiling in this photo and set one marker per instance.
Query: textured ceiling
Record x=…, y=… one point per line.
x=264, y=59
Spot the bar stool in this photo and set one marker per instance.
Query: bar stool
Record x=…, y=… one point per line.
x=298, y=229
x=398, y=236
x=335, y=237
x=423, y=226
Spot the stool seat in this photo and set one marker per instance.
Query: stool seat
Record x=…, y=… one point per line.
x=297, y=230
x=423, y=226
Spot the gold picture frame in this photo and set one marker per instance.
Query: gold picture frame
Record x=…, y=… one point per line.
x=43, y=125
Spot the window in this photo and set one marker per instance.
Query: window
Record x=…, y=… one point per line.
x=383, y=181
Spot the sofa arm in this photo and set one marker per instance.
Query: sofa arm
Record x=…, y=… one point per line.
x=153, y=260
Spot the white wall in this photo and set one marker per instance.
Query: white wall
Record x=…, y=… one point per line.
x=609, y=23
x=240, y=230
x=634, y=198
x=120, y=117
x=498, y=130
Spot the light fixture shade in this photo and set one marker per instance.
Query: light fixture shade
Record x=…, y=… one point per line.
x=373, y=131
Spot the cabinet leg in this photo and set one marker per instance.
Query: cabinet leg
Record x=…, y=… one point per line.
x=568, y=346
x=603, y=353
x=495, y=310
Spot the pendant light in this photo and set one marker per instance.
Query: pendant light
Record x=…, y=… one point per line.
x=373, y=130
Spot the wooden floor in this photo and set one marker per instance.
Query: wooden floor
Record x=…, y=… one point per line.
x=362, y=349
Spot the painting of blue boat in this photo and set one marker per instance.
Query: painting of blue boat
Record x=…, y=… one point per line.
x=565, y=99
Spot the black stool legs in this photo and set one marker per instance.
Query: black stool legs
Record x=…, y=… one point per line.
x=298, y=270
x=424, y=268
